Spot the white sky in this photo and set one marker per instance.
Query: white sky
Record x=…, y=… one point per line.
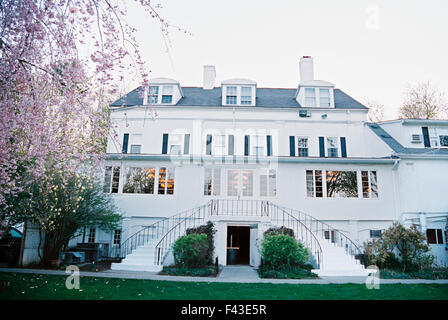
x=263, y=41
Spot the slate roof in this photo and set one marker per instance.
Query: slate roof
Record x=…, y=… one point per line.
x=265, y=97
x=398, y=147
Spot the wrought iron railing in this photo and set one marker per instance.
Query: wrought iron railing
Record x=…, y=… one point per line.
x=149, y=233
x=239, y=207
x=190, y=219
x=324, y=231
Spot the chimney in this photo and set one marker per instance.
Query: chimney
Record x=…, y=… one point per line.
x=306, y=68
x=209, y=77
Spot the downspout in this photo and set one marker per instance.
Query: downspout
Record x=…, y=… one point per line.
x=395, y=182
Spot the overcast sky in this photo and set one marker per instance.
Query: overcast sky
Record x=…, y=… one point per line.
x=369, y=49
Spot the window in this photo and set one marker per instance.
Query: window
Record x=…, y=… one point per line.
x=232, y=183
x=111, y=179
x=369, y=184
x=444, y=140
x=139, y=180
x=136, y=148
x=166, y=181
x=92, y=233
x=175, y=142
x=167, y=94
x=219, y=145
x=153, y=95
x=310, y=97
x=302, y=145
x=434, y=236
x=268, y=183
x=324, y=97
x=327, y=235
x=117, y=236
x=375, y=233
x=342, y=184
x=246, y=95
x=314, y=183
x=258, y=145
x=231, y=95
x=212, y=181
x=332, y=147
x=248, y=183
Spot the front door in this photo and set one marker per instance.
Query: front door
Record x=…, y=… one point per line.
x=238, y=244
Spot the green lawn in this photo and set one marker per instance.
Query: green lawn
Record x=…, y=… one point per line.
x=33, y=286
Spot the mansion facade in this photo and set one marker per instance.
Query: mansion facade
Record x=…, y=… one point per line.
x=249, y=158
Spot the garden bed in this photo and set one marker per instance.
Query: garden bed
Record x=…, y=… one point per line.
x=428, y=274
x=286, y=273
x=208, y=271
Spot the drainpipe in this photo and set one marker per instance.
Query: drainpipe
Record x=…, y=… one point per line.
x=395, y=182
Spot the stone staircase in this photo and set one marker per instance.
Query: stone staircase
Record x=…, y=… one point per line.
x=141, y=259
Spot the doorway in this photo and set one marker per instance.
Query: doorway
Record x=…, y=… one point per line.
x=238, y=244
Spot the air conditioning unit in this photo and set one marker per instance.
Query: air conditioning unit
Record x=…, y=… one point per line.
x=70, y=257
x=304, y=114
x=416, y=138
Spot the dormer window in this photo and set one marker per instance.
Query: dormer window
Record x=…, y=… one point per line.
x=310, y=97
x=324, y=98
x=167, y=94
x=231, y=95
x=246, y=95
x=153, y=94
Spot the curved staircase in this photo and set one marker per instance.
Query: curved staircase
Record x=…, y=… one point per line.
x=332, y=251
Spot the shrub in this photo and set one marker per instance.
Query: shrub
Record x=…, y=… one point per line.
x=191, y=251
x=193, y=272
x=286, y=273
x=280, y=250
x=281, y=230
x=210, y=231
x=409, y=244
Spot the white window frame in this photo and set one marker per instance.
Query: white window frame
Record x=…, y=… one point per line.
x=170, y=172
x=298, y=138
x=246, y=101
x=321, y=90
x=154, y=95
x=167, y=91
x=215, y=181
x=327, y=146
x=258, y=141
x=110, y=180
x=308, y=97
x=231, y=95
x=176, y=140
x=370, y=194
x=265, y=178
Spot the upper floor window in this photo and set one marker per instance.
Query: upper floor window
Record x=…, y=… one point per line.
x=443, y=140
x=175, y=142
x=314, y=183
x=246, y=95
x=310, y=97
x=302, y=146
x=111, y=179
x=258, y=145
x=342, y=184
x=231, y=95
x=153, y=95
x=212, y=181
x=167, y=94
x=146, y=180
x=369, y=184
x=324, y=98
x=268, y=183
x=332, y=147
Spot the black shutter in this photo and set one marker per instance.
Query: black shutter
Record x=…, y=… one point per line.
x=125, y=143
x=321, y=147
x=426, y=137
x=231, y=145
x=187, y=143
x=343, y=148
x=246, y=145
x=165, y=143
x=292, y=146
x=208, y=146
x=269, y=145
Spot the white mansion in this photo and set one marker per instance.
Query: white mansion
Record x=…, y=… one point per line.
x=249, y=158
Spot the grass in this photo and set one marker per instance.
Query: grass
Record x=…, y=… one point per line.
x=35, y=287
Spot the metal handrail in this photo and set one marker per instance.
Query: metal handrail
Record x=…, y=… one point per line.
x=189, y=221
x=148, y=233
x=325, y=231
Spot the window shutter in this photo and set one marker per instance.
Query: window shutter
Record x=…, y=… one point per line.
x=208, y=146
x=125, y=143
x=187, y=143
x=343, y=148
x=321, y=147
x=292, y=146
x=269, y=145
x=165, y=143
x=231, y=145
x=426, y=140
x=246, y=145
